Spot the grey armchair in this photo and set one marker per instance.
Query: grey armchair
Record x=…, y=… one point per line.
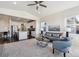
x=62, y=46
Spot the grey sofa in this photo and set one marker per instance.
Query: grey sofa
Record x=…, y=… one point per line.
x=52, y=36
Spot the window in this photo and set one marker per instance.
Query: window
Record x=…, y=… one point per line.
x=72, y=24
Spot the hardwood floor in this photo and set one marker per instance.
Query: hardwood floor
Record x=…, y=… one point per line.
x=2, y=41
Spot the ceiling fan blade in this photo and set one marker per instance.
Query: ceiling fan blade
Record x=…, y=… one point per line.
x=43, y=5
x=41, y=1
x=36, y=2
x=36, y=7
x=31, y=4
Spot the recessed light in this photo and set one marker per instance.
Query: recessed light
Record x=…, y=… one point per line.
x=14, y=3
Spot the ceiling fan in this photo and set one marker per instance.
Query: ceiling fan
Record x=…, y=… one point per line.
x=38, y=3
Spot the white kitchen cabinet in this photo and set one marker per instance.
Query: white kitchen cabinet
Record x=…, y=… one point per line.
x=22, y=35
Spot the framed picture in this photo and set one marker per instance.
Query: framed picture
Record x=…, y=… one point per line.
x=53, y=28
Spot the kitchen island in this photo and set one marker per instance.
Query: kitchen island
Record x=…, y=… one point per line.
x=22, y=35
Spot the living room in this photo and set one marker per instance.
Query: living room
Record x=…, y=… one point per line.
x=55, y=32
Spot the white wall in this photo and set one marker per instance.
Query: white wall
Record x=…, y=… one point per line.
x=4, y=23
x=59, y=19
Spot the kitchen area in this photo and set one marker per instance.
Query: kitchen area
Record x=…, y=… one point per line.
x=16, y=29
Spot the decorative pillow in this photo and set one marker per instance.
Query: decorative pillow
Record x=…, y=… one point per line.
x=57, y=35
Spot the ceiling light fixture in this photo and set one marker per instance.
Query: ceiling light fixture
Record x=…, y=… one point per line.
x=37, y=11
x=38, y=3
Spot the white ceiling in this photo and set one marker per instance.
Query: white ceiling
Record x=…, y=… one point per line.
x=52, y=6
